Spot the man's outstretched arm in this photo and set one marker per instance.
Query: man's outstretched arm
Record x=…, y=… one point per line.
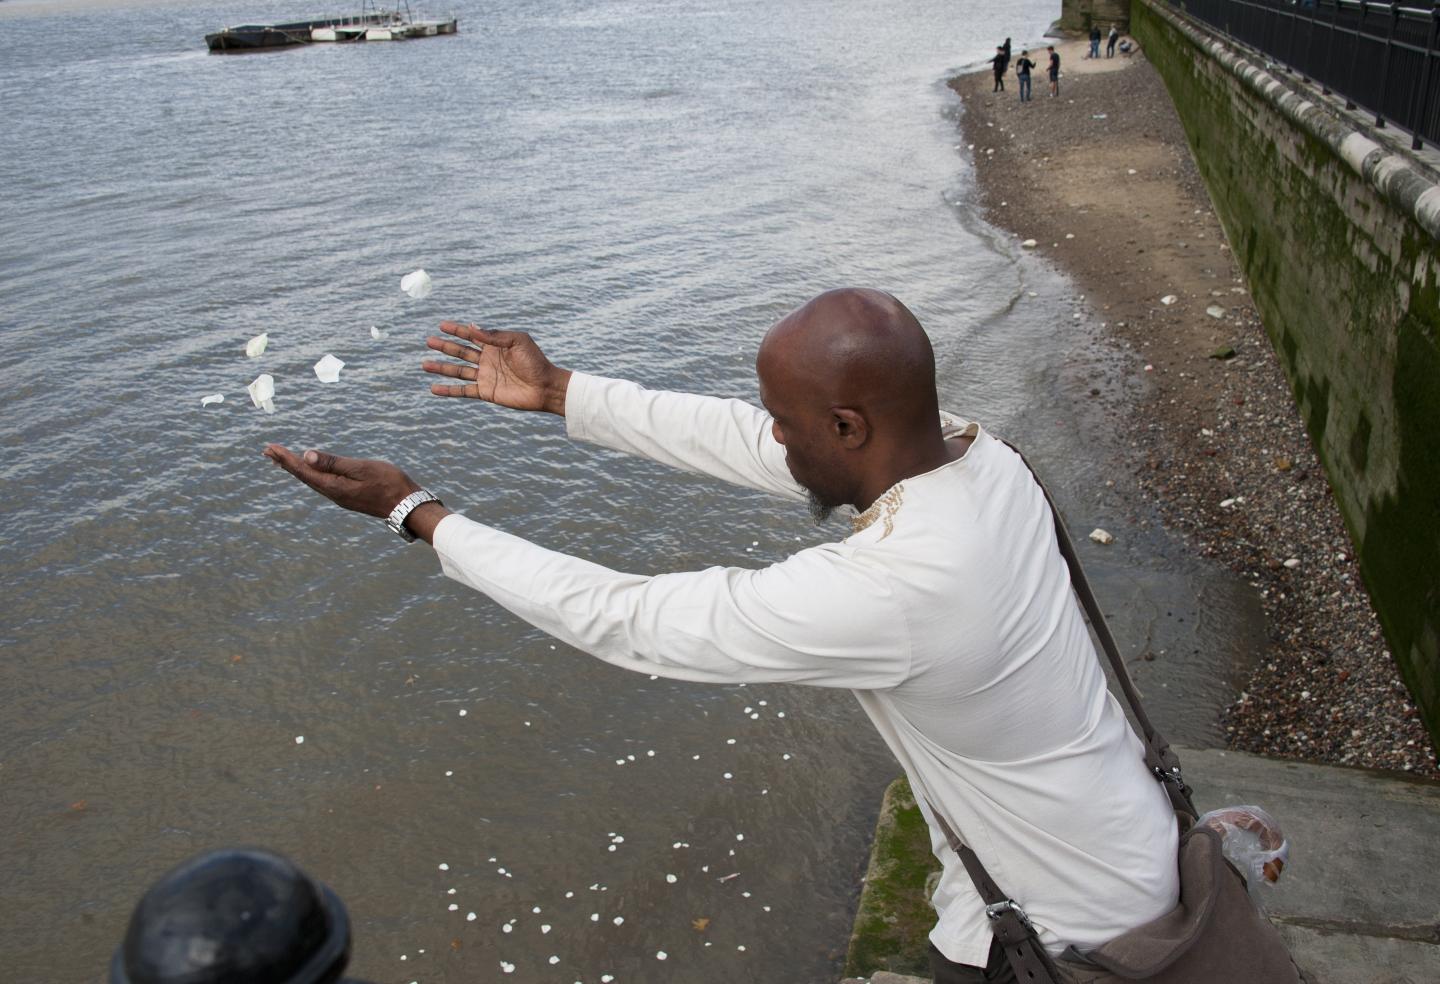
x=817, y=618
x=726, y=439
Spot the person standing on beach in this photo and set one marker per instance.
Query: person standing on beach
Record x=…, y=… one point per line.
x=1054, y=71
x=947, y=610
x=1094, y=41
x=1023, y=67
x=999, y=62
x=1110, y=45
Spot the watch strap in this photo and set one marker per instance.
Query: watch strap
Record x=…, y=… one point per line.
x=403, y=508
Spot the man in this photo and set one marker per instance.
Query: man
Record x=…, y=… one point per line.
x=1054, y=71
x=948, y=610
x=1094, y=41
x=999, y=63
x=1110, y=45
x=1023, y=67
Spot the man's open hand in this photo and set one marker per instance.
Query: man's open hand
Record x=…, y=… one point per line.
x=364, y=486
x=502, y=367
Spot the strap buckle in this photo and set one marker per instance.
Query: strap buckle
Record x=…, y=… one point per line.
x=1170, y=775
x=997, y=910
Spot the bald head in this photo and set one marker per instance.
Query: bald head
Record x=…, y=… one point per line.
x=856, y=348
x=849, y=377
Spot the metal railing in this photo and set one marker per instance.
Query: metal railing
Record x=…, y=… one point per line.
x=1379, y=56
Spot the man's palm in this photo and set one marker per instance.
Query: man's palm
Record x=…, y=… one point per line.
x=502, y=367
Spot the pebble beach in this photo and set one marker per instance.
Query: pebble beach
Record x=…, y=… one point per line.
x=1101, y=183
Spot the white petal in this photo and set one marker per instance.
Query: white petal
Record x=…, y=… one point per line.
x=262, y=392
x=327, y=370
x=418, y=284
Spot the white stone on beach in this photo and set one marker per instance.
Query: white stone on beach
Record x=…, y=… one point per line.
x=256, y=346
x=418, y=284
x=443, y=866
x=262, y=392
x=327, y=370
x=463, y=712
x=671, y=879
x=660, y=954
x=554, y=960
x=544, y=928
x=470, y=917
x=213, y=398
x=1101, y=536
x=1029, y=244
x=1168, y=299
x=299, y=739
x=619, y=920
x=1293, y=563
x=1215, y=311
x=507, y=968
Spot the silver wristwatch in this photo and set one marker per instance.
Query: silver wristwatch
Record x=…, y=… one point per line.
x=396, y=519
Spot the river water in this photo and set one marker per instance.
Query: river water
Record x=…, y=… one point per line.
x=646, y=187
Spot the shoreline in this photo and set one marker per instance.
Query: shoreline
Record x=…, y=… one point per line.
x=1102, y=181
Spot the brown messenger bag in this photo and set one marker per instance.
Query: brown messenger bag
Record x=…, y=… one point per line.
x=1214, y=935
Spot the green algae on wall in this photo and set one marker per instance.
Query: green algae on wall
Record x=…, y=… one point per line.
x=1079, y=15
x=892, y=924
x=1347, y=282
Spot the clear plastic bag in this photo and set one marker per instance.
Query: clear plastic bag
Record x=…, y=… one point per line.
x=1252, y=841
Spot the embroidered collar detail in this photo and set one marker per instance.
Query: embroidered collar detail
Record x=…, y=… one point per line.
x=881, y=510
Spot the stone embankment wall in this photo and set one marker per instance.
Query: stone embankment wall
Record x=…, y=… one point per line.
x=1076, y=16
x=1337, y=230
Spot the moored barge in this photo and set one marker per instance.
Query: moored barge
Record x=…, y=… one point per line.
x=368, y=25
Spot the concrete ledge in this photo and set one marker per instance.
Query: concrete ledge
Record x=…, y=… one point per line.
x=894, y=918
x=1390, y=174
x=1359, y=904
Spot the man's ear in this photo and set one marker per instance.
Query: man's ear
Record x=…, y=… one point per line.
x=850, y=427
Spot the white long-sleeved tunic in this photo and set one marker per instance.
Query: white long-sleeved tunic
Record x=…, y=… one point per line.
x=948, y=612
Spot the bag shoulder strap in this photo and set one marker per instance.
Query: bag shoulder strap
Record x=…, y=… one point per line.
x=1160, y=758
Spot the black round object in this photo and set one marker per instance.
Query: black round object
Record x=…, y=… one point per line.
x=235, y=917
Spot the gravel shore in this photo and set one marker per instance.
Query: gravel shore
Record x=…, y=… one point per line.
x=1103, y=183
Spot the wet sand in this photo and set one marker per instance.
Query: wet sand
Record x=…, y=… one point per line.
x=1102, y=181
